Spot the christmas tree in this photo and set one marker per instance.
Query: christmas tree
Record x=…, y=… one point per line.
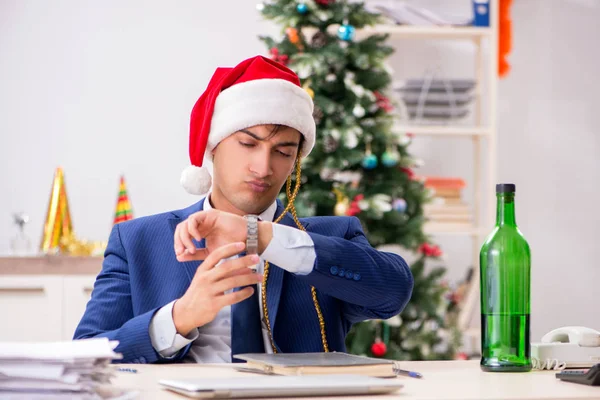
x=361, y=165
x=123, y=211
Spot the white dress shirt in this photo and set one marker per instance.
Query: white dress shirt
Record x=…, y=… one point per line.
x=290, y=249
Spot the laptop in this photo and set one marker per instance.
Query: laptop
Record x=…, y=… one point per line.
x=282, y=386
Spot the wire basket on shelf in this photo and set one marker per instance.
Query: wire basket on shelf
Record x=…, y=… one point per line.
x=435, y=101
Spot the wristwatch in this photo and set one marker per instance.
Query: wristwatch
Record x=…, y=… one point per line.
x=252, y=236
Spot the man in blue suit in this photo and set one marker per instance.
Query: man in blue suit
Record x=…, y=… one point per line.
x=237, y=272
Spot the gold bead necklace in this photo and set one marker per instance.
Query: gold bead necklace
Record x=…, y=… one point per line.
x=291, y=208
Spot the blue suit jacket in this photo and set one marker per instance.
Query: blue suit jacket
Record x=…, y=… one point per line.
x=140, y=274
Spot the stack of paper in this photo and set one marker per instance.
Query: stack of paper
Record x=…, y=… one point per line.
x=71, y=369
x=403, y=13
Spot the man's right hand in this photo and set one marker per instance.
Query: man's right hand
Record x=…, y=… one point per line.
x=206, y=295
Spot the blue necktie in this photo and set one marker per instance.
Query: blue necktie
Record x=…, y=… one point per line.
x=246, y=332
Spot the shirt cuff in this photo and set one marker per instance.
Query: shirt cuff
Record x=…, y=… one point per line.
x=291, y=249
x=163, y=334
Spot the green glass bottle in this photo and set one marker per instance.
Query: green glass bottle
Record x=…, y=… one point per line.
x=505, y=271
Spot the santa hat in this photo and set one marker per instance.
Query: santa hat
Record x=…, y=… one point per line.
x=257, y=91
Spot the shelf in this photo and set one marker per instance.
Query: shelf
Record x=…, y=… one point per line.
x=444, y=130
x=436, y=228
x=427, y=32
x=50, y=265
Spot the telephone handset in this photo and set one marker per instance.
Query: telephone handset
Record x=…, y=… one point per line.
x=584, y=337
x=567, y=347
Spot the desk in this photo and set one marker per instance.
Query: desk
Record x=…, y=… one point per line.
x=442, y=380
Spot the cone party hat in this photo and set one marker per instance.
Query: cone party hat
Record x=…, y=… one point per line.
x=123, y=211
x=58, y=219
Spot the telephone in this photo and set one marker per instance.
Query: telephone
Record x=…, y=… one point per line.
x=567, y=347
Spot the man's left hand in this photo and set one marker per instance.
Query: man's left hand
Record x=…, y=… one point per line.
x=218, y=228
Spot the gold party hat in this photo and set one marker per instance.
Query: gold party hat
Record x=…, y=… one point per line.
x=58, y=220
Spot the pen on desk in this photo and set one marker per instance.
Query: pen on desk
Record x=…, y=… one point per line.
x=127, y=370
x=412, y=374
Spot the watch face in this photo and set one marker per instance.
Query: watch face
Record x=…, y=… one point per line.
x=252, y=234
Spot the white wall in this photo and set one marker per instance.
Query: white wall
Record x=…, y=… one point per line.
x=106, y=88
x=549, y=144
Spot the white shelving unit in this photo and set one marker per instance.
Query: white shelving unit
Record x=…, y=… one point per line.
x=483, y=201
x=446, y=130
x=432, y=32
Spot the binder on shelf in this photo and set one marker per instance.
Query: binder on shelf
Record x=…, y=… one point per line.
x=447, y=212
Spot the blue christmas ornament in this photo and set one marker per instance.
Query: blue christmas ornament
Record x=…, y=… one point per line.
x=302, y=8
x=370, y=161
x=389, y=158
x=346, y=32
x=399, y=205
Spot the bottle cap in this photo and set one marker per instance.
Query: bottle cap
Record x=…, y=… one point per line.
x=506, y=188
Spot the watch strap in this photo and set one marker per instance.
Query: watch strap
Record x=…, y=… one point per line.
x=251, y=234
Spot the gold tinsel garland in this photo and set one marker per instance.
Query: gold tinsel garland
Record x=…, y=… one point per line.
x=72, y=246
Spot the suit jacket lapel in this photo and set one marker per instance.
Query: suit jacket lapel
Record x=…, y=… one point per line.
x=275, y=279
x=178, y=216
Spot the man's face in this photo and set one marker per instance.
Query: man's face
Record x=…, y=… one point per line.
x=251, y=166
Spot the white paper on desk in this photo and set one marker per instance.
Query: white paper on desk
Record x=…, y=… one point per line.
x=112, y=394
x=85, y=365
x=20, y=370
x=100, y=370
x=56, y=373
x=76, y=349
x=69, y=369
x=31, y=385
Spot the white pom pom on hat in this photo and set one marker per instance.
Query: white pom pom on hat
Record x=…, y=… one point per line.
x=196, y=180
x=257, y=91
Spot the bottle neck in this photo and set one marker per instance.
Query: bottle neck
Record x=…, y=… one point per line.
x=505, y=214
